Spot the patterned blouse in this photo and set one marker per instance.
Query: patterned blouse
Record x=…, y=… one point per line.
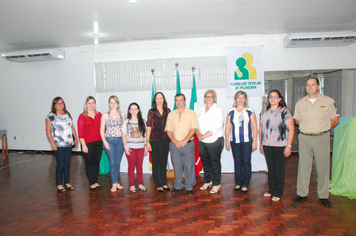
x=113, y=126
x=157, y=122
x=133, y=134
x=241, y=125
x=274, y=128
x=61, y=129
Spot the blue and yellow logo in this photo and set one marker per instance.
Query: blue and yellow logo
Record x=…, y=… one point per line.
x=245, y=70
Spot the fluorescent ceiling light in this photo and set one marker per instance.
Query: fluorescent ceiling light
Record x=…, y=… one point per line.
x=96, y=26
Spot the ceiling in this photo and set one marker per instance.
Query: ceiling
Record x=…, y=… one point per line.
x=33, y=24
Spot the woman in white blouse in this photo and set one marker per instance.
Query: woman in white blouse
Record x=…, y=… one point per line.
x=211, y=141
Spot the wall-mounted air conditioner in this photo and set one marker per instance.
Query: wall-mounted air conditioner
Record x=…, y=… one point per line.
x=34, y=55
x=332, y=39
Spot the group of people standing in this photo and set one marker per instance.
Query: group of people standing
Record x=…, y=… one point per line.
x=166, y=131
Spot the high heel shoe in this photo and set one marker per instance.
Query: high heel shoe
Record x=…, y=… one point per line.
x=206, y=186
x=166, y=187
x=215, y=189
x=69, y=187
x=61, y=189
x=237, y=188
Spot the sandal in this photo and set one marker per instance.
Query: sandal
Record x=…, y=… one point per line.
x=141, y=187
x=133, y=189
x=60, y=189
x=113, y=188
x=276, y=199
x=119, y=187
x=69, y=187
x=215, y=189
x=98, y=186
x=267, y=194
x=206, y=186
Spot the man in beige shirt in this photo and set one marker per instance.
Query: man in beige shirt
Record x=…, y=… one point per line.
x=316, y=115
x=181, y=126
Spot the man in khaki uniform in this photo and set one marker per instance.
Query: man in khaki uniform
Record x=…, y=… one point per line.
x=181, y=126
x=316, y=115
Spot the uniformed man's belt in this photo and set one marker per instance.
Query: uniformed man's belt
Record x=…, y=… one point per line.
x=318, y=134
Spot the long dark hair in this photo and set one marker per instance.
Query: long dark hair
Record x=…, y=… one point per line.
x=154, y=104
x=281, y=102
x=54, y=102
x=141, y=123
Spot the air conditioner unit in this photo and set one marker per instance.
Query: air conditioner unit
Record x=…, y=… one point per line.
x=332, y=39
x=35, y=55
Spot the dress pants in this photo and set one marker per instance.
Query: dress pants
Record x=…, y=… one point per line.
x=183, y=160
x=210, y=154
x=160, y=149
x=276, y=169
x=319, y=147
x=92, y=161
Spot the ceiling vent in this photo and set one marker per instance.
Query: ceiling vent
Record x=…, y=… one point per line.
x=37, y=55
x=333, y=39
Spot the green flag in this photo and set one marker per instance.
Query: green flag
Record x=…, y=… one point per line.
x=153, y=92
x=193, y=97
x=178, y=88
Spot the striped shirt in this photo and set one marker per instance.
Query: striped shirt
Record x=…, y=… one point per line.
x=241, y=125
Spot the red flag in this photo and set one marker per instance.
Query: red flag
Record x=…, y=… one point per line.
x=193, y=106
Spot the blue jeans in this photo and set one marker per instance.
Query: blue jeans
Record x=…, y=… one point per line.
x=63, y=156
x=115, y=155
x=242, y=158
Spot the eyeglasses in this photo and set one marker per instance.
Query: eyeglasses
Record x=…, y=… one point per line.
x=209, y=96
x=59, y=103
x=273, y=97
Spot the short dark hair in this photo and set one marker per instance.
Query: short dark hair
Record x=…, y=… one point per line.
x=178, y=95
x=317, y=80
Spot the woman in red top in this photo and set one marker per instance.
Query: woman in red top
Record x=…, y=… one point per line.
x=90, y=139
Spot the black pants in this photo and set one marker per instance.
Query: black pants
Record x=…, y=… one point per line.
x=160, y=149
x=276, y=169
x=92, y=161
x=210, y=154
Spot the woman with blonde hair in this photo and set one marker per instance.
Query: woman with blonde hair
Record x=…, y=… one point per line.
x=241, y=123
x=112, y=122
x=211, y=141
x=90, y=140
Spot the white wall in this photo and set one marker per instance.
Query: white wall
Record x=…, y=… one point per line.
x=27, y=89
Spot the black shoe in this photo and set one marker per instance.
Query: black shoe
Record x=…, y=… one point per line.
x=160, y=189
x=175, y=191
x=244, y=191
x=325, y=202
x=166, y=187
x=94, y=189
x=298, y=198
x=190, y=192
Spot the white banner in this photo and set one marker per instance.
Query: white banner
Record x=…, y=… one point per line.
x=244, y=71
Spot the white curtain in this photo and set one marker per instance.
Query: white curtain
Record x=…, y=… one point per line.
x=210, y=72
